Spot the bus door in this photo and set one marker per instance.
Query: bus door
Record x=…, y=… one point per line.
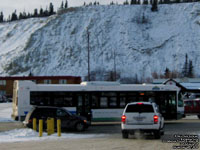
x=171, y=104
x=83, y=105
x=168, y=105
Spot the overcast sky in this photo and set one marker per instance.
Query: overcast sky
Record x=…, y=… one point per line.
x=9, y=6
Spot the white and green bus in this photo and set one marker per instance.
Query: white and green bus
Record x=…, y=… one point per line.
x=98, y=101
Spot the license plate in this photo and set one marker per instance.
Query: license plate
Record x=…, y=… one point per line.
x=139, y=118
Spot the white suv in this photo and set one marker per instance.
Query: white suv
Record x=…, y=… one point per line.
x=142, y=116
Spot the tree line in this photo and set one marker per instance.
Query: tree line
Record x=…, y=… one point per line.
x=37, y=13
x=187, y=71
x=50, y=11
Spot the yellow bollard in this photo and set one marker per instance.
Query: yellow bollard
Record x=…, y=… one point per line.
x=59, y=127
x=52, y=126
x=34, y=124
x=48, y=126
x=40, y=127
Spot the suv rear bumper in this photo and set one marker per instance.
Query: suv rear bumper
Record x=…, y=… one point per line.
x=132, y=131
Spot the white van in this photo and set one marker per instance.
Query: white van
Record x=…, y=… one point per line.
x=142, y=116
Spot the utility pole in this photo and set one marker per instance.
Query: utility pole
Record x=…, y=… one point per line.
x=115, y=73
x=88, y=38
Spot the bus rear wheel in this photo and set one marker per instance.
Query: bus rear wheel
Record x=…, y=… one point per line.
x=198, y=116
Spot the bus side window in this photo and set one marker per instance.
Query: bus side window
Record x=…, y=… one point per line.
x=95, y=101
x=104, y=102
x=122, y=102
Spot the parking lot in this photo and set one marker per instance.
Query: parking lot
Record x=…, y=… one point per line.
x=108, y=136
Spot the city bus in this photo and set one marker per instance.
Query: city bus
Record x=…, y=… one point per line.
x=98, y=101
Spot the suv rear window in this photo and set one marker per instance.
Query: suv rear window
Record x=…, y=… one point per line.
x=139, y=108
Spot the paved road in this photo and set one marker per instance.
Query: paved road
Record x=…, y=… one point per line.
x=113, y=140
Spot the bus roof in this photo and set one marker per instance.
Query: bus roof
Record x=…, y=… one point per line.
x=96, y=87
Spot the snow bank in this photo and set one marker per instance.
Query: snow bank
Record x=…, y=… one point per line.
x=22, y=135
x=5, y=112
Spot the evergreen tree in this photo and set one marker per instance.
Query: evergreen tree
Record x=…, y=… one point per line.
x=35, y=14
x=145, y=2
x=154, y=6
x=41, y=12
x=24, y=15
x=126, y=2
x=190, y=70
x=14, y=16
x=46, y=12
x=51, y=9
x=84, y=4
x=132, y=2
x=20, y=16
x=62, y=5
x=185, y=67
x=1, y=17
x=66, y=4
x=112, y=3
x=29, y=15
x=167, y=73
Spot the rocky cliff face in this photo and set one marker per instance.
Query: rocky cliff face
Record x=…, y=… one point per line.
x=133, y=38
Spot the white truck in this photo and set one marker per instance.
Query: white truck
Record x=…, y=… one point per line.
x=142, y=116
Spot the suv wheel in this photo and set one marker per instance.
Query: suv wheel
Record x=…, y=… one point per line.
x=157, y=134
x=79, y=126
x=125, y=135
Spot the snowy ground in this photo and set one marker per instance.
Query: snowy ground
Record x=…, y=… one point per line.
x=5, y=112
x=22, y=135
x=25, y=134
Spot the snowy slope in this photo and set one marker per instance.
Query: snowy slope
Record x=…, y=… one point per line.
x=142, y=45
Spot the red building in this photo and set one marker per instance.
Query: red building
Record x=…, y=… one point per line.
x=6, y=83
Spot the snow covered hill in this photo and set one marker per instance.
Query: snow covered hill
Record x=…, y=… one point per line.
x=139, y=40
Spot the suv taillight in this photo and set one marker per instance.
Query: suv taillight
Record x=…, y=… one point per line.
x=155, y=118
x=124, y=119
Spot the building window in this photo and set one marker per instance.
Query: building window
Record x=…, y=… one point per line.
x=2, y=92
x=47, y=81
x=62, y=81
x=2, y=82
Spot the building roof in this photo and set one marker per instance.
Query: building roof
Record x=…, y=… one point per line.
x=178, y=80
x=39, y=77
x=191, y=86
x=186, y=84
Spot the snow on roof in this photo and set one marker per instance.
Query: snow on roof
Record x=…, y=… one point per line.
x=191, y=86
